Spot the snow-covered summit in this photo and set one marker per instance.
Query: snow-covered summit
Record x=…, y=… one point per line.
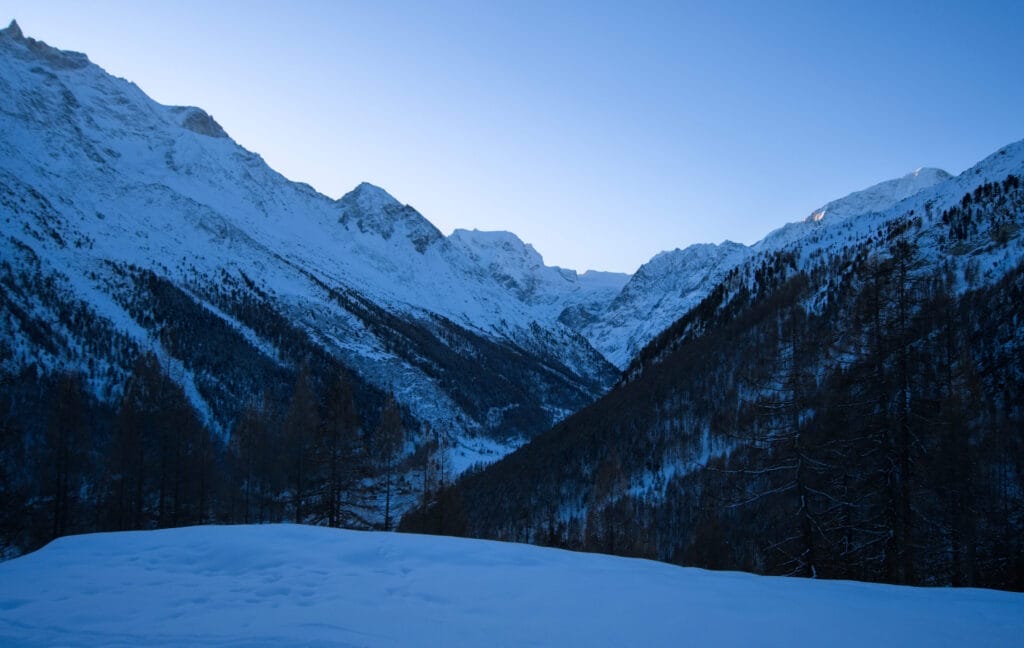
x=880, y=196
x=514, y=263
x=518, y=267
x=370, y=197
x=604, y=279
x=691, y=254
x=371, y=209
x=498, y=247
x=51, y=56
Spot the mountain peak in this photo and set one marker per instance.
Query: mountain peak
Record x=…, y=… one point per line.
x=930, y=173
x=13, y=31
x=369, y=197
x=490, y=238
x=372, y=209
x=51, y=56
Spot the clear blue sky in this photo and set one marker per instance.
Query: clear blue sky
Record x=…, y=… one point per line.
x=600, y=132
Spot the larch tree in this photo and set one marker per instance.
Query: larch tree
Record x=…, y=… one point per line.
x=63, y=451
x=300, y=426
x=389, y=440
x=335, y=449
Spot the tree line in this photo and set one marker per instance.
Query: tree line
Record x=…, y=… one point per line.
x=73, y=463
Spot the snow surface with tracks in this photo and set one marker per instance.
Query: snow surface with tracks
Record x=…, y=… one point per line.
x=295, y=585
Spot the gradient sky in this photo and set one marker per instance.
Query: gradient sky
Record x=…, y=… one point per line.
x=602, y=133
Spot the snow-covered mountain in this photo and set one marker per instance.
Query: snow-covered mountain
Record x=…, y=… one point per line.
x=881, y=196
x=130, y=221
x=549, y=290
x=275, y=585
x=875, y=199
x=866, y=219
x=660, y=292
x=671, y=283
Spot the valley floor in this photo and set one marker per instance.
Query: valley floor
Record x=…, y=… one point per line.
x=280, y=585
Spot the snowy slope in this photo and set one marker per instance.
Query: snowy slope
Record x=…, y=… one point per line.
x=103, y=187
x=292, y=585
x=991, y=249
x=924, y=195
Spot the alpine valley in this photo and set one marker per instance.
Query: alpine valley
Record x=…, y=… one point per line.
x=188, y=337
x=842, y=400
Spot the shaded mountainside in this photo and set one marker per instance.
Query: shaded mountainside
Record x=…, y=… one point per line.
x=846, y=406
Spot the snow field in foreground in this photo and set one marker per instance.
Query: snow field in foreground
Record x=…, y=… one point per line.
x=295, y=585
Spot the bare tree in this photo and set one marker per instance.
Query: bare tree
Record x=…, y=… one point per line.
x=335, y=449
x=390, y=438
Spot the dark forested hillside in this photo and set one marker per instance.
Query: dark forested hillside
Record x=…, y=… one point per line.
x=841, y=412
x=73, y=463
